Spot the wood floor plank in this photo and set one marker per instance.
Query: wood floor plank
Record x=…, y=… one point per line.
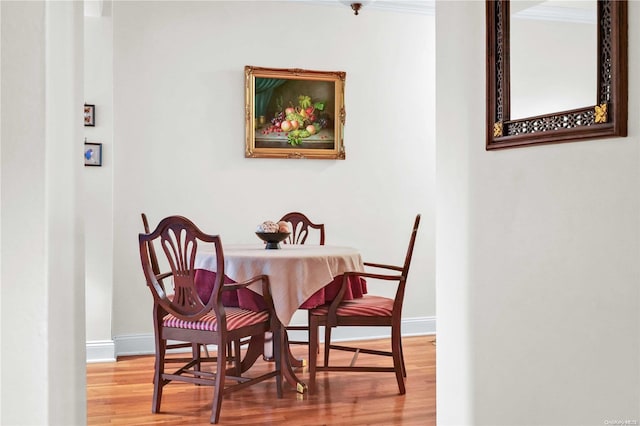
x=119, y=393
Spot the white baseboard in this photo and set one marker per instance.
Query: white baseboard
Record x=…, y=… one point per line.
x=101, y=351
x=135, y=344
x=143, y=344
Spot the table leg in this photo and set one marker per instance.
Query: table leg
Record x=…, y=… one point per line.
x=288, y=362
x=295, y=362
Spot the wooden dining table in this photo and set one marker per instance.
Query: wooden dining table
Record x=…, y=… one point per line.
x=300, y=276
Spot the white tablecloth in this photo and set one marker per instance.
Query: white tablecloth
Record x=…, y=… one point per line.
x=295, y=271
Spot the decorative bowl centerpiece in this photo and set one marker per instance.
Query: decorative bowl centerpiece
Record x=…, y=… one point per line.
x=272, y=238
x=273, y=233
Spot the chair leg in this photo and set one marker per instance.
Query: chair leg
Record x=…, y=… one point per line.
x=235, y=356
x=161, y=345
x=230, y=350
x=278, y=356
x=314, y=348
x=219, y=383
x=195, y=351
x=398, y=362
x=404, y=368
x=309, y=331
x=327, y=344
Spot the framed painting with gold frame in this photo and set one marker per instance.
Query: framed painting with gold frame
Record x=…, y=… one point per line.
x=294, y=113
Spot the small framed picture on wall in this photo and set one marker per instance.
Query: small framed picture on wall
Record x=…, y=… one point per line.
x=92, y=154
x=89, y=115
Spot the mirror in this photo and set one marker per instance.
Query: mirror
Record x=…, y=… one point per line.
x=555, y=81
x=564, y=80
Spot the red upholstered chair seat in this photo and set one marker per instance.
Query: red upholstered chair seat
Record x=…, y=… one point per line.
x=236, y=318
x=366, y=306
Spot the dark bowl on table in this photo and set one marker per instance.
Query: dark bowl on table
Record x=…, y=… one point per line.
x=272, y=238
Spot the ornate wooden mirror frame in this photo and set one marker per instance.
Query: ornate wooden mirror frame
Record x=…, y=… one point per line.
x=606, y=118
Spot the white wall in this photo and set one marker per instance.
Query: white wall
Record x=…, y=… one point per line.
x=178, y=138
x=98, y=184
x=537, y=271
x=43, y=328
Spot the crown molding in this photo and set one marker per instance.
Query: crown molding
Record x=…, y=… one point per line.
x=425, y=7
x=421, y=7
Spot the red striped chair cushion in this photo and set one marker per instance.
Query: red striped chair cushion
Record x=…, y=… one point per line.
x=236, y=318
x=366, y=306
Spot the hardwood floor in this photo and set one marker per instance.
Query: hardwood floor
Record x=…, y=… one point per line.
x=119, y=393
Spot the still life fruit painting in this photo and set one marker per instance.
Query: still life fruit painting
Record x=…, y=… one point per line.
x=294, y=113
x=297, y=122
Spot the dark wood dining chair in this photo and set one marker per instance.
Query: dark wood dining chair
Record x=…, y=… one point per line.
x=301, y=226
x=156, y=270
x=368, y=311
x=186, y=317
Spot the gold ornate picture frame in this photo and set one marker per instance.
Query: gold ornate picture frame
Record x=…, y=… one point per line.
x=294, y=113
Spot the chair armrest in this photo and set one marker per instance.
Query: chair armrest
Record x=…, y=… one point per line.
x=161, y=277
x=381, y=265
x=243, y=284
x=384, y=277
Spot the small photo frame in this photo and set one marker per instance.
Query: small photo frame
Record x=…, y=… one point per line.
x=92, y=154
x=89, y=115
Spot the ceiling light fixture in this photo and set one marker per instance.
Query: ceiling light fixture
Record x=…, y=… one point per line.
x=356, y=6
